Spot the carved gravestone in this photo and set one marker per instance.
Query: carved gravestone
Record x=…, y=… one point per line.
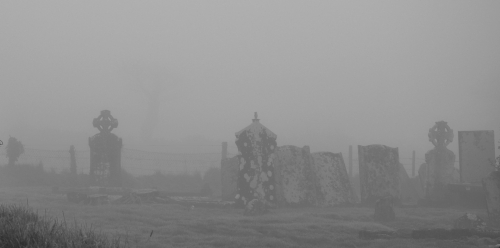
x=440, y=163
x=332, y=182
x=256, y=179
x=379, y=173
x=295, y=177
x=491, y=185
x=229, y=176
x=476, y=150
x=105, y=152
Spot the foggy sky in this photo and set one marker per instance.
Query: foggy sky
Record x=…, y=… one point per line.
x=327, y=74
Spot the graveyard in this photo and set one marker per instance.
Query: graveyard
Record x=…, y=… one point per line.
x=275, y=195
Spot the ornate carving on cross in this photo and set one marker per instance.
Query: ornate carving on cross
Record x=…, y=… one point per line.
x=105, y=122
x=440, y=134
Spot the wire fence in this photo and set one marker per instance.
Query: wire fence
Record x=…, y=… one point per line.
x=140, y=162
x=136, y=162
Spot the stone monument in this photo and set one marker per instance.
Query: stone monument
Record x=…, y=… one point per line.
x=105, y=152
x=440, y=163
x=256, y=179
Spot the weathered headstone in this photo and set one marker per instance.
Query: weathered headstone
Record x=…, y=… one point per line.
x=256, y=144
x=230, y=168
x=491, y=185
x=440, y=162
x=294, y=175
x=476, y=150
x=379, y=173
x=332, y=182
x=105, y=152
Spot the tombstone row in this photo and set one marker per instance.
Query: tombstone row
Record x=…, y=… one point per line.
x=293, y=176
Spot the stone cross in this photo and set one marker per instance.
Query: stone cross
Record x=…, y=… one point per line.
x=105, y=122
x=440, y=135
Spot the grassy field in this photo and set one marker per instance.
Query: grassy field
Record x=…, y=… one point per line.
x=176, y=226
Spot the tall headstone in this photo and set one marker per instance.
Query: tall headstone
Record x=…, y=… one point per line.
x=295, y=176
x=440, y=162
x=256, y=179
x=476, y=151
x=379, y=173
x=333, y=186
x=105, y=152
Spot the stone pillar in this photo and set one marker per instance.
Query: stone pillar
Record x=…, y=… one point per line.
x=440, y=162
x=378, y=173
x=333, y=186
x=491, y=185
x=256, y=180
x=230, y=168
x=72, y=167
x=295, y=176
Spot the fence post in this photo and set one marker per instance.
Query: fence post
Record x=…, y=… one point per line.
x=413, y=164
x=350, y=161
x=224, y=150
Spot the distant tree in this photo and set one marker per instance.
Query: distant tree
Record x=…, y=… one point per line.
x=14, y=149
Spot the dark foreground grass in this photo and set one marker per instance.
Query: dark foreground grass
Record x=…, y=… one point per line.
x=21, y=227
x=171, y=225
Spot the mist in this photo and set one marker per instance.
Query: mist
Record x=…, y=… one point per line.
x=327, y=74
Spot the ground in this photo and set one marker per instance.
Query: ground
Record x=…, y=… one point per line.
x=170, y=225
